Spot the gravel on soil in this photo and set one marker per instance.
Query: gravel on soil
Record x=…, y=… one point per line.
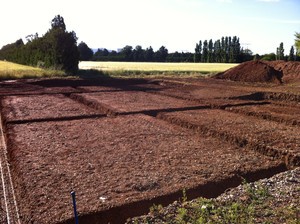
x=280, y=204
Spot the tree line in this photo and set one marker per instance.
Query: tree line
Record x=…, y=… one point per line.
x=225, y=50
x=293, y=55
x=138, y=54
x=57, y=49
x=130, y=54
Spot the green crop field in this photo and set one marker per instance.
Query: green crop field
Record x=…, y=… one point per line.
x=9, y=70
x=154, y=69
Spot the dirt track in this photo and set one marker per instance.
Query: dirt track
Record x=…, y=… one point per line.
x=123, y=145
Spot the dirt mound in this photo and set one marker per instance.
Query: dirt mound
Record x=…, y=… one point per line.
x=252, y=71
x=290, y=69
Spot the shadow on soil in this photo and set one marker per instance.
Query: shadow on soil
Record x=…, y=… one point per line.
x=258, y=96
x=88, y=78
x=55, y=119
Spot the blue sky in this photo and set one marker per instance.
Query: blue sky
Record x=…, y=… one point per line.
x=176, y=24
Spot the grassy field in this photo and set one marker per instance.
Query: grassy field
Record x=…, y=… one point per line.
x=9, y=70
x=152, y=69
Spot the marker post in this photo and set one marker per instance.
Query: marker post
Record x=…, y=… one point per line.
x=74, y=206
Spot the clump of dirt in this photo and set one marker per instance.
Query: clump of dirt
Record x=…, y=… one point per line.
x=290, y=69
x=252, y=71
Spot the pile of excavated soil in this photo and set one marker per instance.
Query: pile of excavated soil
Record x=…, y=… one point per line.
x=252, y=71
x=290, y=69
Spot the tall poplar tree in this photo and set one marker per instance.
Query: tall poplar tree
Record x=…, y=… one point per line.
x=280, y=52
x=200, y=50
x=292, y=54
x=197, y=53
x=223, y=50
x=217, y=51
x=210, y=56
x=204, y=52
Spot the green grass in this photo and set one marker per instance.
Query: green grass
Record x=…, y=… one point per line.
x=9, y=70
x=256, y=205
x=154, y=69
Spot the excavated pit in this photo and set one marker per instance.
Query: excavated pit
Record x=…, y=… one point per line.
x=125, y=146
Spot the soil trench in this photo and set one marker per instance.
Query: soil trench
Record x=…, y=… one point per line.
x=120, y=214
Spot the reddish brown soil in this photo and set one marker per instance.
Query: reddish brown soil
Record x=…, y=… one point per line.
x=22, y=88
x=268, y=137
x=164, y=135
x=283, y=113
x=43, y=107
x=290, y=70
x=136, y=102
x=122, y=159
x=252, y=71
x=264, y=71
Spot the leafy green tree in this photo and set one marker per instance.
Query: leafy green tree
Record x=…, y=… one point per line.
x=11, y=52
x=85, y=53
x=102, y=52
x=32, y=37
x=162, y=54
x=174, y=57
x=63, y=48
x=127, y=53
x=56, y=49
x=58, y=23
x=269, y=57
x=138, y=53
x=149, y=54
x=246, y=55
x=112, y=53
x=297, y=43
